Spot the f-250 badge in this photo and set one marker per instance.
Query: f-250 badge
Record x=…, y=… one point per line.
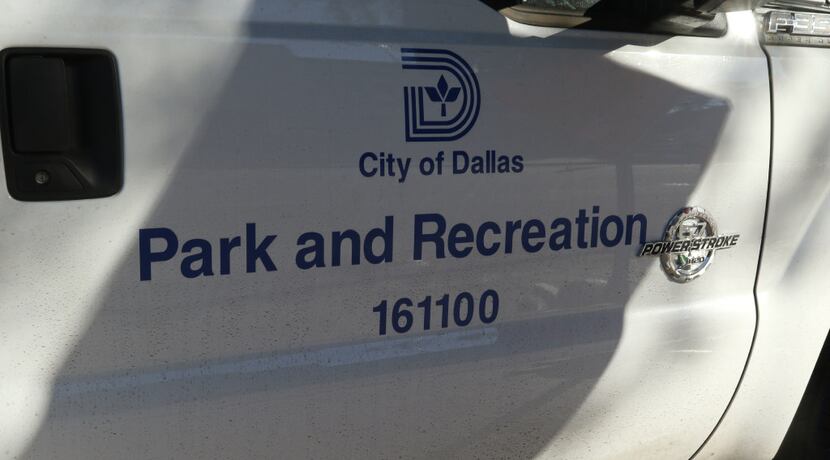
x=689, y=244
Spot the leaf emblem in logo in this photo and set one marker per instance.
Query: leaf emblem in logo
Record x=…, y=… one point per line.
x=443, y=93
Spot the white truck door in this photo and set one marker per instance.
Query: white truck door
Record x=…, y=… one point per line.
x=377, y=229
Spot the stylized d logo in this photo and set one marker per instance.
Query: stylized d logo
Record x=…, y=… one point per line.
x=451, y=106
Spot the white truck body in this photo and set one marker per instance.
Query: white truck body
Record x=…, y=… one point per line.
x=283, y=203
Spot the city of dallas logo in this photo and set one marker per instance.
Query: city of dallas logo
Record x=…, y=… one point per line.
x=689, y=244
x=446, y=108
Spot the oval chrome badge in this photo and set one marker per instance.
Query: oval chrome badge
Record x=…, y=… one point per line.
x=689, y=244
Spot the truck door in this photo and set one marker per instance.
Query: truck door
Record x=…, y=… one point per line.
x=331, y=229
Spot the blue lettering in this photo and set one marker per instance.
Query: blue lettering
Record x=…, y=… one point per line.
x=533, y=229
x=618, y=233
x=460, y=234
x=436, y=237
x=386, y=236
x=482, y=248
x=460, y=162
x=254, y=252
x=146, y=254
x=629, y=227
x=203, y=257
x=316, y=250
x=368, y=172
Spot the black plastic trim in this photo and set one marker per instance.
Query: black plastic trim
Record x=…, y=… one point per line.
x=80, y=153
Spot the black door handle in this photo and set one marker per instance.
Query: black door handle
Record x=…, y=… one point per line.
x=60, y=120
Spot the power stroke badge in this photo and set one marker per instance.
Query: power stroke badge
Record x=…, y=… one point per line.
x=689, y=245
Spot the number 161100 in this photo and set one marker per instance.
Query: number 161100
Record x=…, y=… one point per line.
x=461, y=310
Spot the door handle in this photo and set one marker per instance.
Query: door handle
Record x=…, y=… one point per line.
x=61, y=123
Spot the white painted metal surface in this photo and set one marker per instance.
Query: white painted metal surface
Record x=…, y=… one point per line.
x=793, y=313
x=258, y=112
